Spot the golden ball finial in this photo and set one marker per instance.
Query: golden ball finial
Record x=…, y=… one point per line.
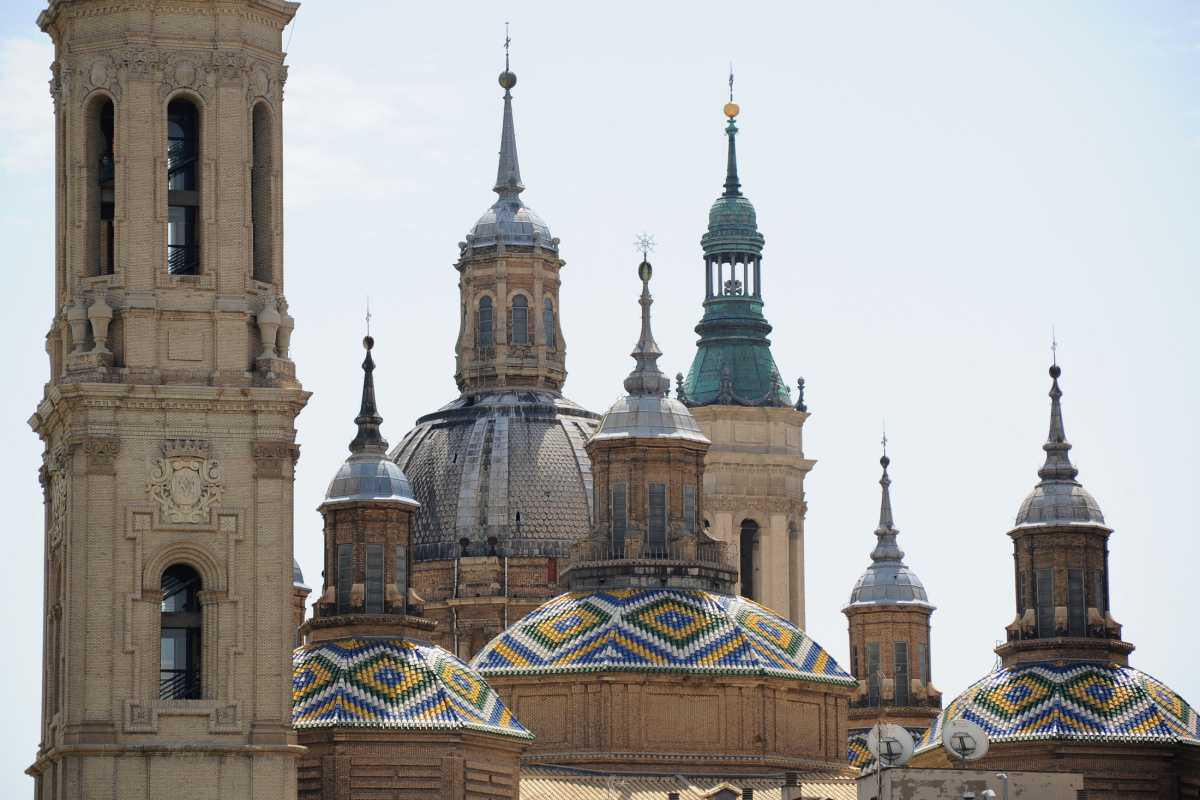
x=508, y=79
x=732, y=109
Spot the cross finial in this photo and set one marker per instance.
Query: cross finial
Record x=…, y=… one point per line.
x=507, y=39
x=1053, y=347
x=731, y=81
x=368, y=317
x=883, y=441
x=644, y=244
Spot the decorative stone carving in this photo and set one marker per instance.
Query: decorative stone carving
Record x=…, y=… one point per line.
x=185, y=481
x=268, y=326
x=287, y=323
x=77, y=317
x=270, y=458
x=101, y=73
x=100, y=314
x=229, y=64
x=259, y=84
x=183, y=73
x=101, y=454
x=60, y=490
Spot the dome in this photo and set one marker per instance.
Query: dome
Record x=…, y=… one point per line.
x=376, y=682
x=369, y=476
x=511, y=223
x=1059, y=501
x=1072, y=701
x=887, y=582
x=663, y=630
x=651, y=417
x=297, y=575
x=732, y=227
x=509, y=465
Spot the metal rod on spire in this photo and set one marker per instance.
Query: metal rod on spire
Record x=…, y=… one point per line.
x=1053, y=347
x=507, y=40
x=731, y=81
x=368, y=316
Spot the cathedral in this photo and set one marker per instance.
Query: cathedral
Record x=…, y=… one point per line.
x=520, y=599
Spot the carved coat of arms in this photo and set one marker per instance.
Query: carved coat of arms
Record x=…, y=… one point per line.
x=185, y=481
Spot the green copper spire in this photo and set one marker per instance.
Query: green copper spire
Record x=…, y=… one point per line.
x=733, y=363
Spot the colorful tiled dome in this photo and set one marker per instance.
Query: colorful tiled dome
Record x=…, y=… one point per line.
x=392, y=683
x=858, y=755
x=1078, y=700
x=657, y=630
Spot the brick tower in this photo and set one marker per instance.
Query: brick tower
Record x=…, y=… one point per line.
x=168, y=418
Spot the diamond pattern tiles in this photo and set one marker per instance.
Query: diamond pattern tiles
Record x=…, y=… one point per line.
x=1076, y=700
x=393, y=683
x=657, y=630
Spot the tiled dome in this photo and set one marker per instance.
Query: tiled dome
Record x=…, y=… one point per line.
x=650, y=417
x=369, y=476
x=511, y=223
x=1075, y=700
x=888, y=582
x=657, y=630
x=1059, y=501
x=396, y=684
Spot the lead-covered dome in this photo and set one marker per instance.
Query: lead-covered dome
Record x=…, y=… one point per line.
x=648, y=416
x=369, y=476
x=511, y=222
x=886, y=583
x=1071, y=700
x=393, y=683
x=509, y=465
x=664, y=630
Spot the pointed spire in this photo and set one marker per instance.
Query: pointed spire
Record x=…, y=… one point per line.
x=369, y=439
x=732, y=185
x=646, y=378
x=886, y=549
x=1058, y=464
x=508, y=173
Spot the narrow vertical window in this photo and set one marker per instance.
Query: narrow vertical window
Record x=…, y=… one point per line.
x=855, y=670
x=374, y=571
x=656, y=524
x=1045, y=603
x=1076, y=613
x=402, y=576
x=483, y=324
x=1098, y=592
x=520, y=320
x=183, y=188
x=179, y=660
x=873, y=674
x=748, y=545
x=900, y=671
x=689, y=509
x=923, y=664
x=261, y=211
x=101, y=195
x=549, y=330
x=620, y=518
x=1020, y=591
x=345, y=576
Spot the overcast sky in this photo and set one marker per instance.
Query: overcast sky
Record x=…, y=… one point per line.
x=938, y=184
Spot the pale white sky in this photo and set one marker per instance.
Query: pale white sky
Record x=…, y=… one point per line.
x=938, y=184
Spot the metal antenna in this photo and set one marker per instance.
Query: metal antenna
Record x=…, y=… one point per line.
x=507, y=39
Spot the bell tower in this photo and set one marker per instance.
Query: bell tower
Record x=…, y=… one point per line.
x=168, y=417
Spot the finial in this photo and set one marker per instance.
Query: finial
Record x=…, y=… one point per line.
x=732, y=185
x=369, y=319
x=1053, y=353
x=800, y=406
x=884, y=461
x=731, y=108
x=1058, y=464
x=886, y=549
x=680, y=392
x=508, y=173
x=369, y=439
x=646, y=378
x=508, y=78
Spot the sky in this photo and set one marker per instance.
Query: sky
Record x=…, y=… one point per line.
x=939, y=184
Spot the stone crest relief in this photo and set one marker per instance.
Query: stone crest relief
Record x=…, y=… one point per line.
x=185, y=482
x=59, y=495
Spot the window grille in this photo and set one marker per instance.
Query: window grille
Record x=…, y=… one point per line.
x=183, y=188
x=550, y=330
x=1076, y=613
x=345, y=576
x=873, y=675
x=374, y=572
x=900, y=667
x=689, y=509
x=1045, y=603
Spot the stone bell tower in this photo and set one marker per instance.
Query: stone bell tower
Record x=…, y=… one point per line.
x=168, y=418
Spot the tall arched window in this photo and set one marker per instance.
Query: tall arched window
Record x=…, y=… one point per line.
x=101, y=194
x=483, y=324
x=520, y=320
x=748, y=547
x=261, y=211
x=183, y=188
x=548, y=326
x=179, y=662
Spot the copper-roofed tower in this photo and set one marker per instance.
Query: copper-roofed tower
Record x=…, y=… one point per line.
x=1064, y=697
x=755, y=470
x=651, y=663
x=368, y=686
x=501, y=472
x=889, y=615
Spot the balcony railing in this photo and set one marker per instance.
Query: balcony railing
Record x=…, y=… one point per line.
x=707, y=552
x=183, y=259
x=179, y=684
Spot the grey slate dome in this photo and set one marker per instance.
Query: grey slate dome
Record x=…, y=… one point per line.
x=888, y=580
x=297, y=574
x=649, y=416
x=1058, y=498
x=503, y=464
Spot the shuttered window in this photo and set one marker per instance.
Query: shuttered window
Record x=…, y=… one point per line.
x=374, y=588
x=658, y=519
x=1076, y=613
x=1045, y=603
x=402, y=576
x=689, y=509
x=620, y=518
x=345, y=576
x=900, y=664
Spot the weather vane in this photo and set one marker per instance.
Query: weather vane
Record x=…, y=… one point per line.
x=883, y=441
x=507, y=39
x=644, y=244
x=731, y=81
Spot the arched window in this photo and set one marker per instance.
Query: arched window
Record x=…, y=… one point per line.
x=101, y=194
x=261, y=211
x=483, y=324
x=748, y=545
x=183, y=188
x=548, y=326
x=520, y=320
x=179, y=663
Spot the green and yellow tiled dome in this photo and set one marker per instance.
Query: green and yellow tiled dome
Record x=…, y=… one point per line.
x=393, y=683
x=657, y=630
x=1076, y=700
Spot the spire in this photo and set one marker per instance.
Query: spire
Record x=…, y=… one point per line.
x=508, y=174
x=369, y=439
x=1058, y=464
x=646, y=379
x=732, y=185
x=886, y=549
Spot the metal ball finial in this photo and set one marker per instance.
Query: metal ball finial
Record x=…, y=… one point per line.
x=732, y=109
x=368, y=342
x=508, y=79
x=885, y=462
x=645, y=271
x=1055, y=371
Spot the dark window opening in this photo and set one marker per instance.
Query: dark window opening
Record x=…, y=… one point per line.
x=483, y=324
x=1076, y=613
x=550, y=331
x=874, y=676
x=183, y=188
x=181, y=626
x=1098, y=595
x=620, y=518
x=261, y=211
x=520, y=320
x=1045, y=603
x=900, y=666
x=657, y=522
x=748, y=544
x=402, y=576
x=345, y=576
x=106, y=165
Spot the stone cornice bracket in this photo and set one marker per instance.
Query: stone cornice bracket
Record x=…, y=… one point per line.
x=274, y=459
x=101, y=454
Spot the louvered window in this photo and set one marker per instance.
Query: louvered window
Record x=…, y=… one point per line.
x=1045, y=603
x=402, y=576
x=620, y=518
x=873, y=676
x=483, y=324
x=374, y=587
x=689, y=509
x=1076, y=613
x=900, y=666
x=345, y=576
x=657, y=523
